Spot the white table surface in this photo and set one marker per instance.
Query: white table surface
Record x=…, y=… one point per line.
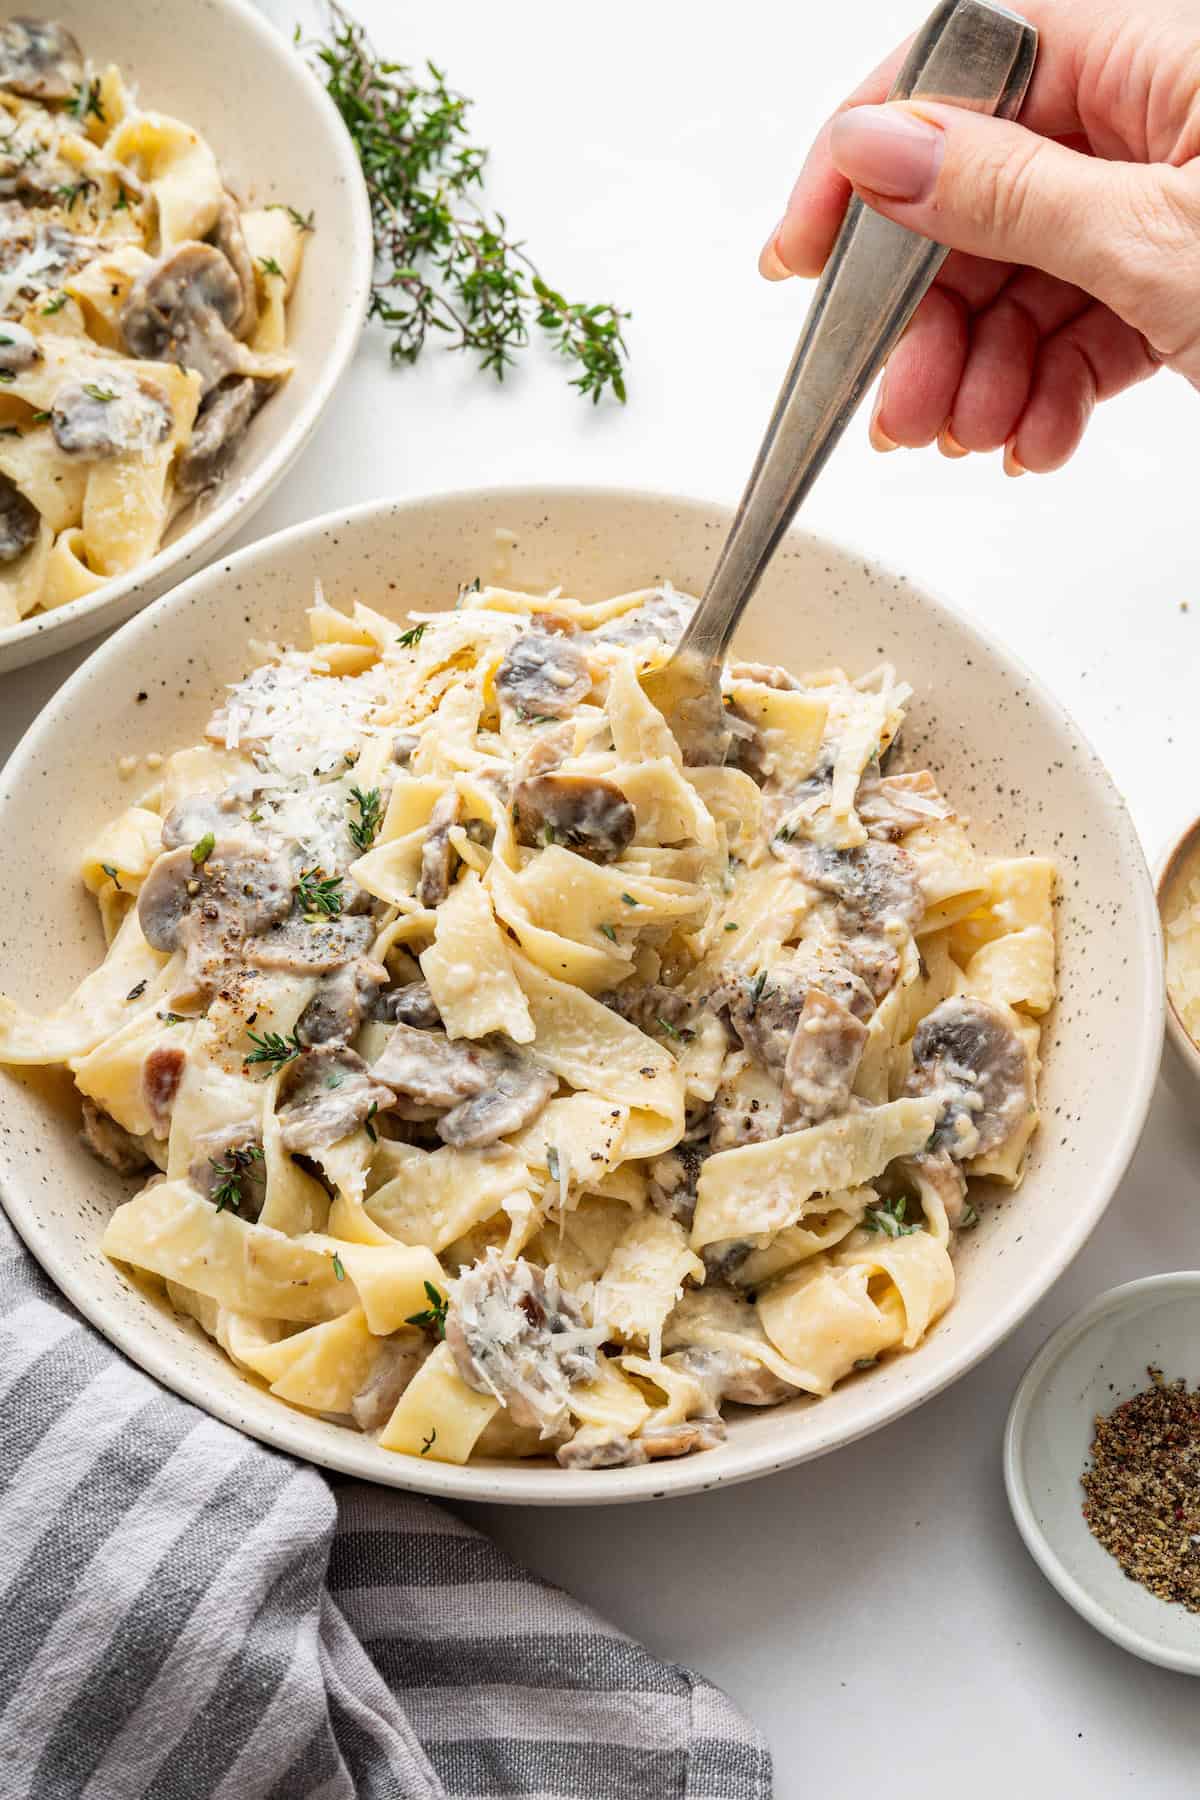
x=875, y=1612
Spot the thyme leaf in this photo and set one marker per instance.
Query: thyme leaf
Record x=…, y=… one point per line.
x=408, y=640
x=272, y=1049
x=434, y=1317
x=363, y=830
x=228, y=1192
x=888, y=1217
x=320, y=895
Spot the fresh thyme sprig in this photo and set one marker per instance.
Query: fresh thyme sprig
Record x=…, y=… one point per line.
x=273, y=1049
x=441, y=263
x=228, y=1192
x=364, y=829
x=320, y=895
x=434, y=1318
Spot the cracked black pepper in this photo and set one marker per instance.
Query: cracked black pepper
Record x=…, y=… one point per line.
x=1142, y=1488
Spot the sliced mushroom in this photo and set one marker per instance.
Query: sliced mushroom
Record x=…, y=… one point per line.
x=325, y=1094
x=657, y=1010
x=586, y=813
x=238, y=891
x=396, y=1362
x=223, y=422
x=728, y=1375
x=936, y=1175
x=110, y=1142
x=403, y=746
x=873, y=885
x=874, y=960
x=20, y=521
x=723, y=1260
x=162, y=1073
x=432, y=1070
x=543, y=676
x=110, y=416
x=549, y=750
x=828, y=970
x=747, y=1107
x=230, y=240
x=412, y=1004
x=301, y=948
x=341, y=1002
x=967, y=1054
x=765, y=1010
x=183, y=310
x=515, y=1334
x=891, y=805
x=515, y=1095
x=822, y=1061
x=673, y=1180
x=192, y=818
x=682, y=1438
x=600, y=1447
x=438, y=855
x=39, y=59
x=661, y=617
x=19, y=349
x=229, y=1169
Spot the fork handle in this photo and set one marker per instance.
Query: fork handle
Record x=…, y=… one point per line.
x=971, y=53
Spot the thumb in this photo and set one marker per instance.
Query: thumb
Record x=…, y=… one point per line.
x=1126, y=233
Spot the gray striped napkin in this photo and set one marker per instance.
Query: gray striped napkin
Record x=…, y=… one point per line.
x=185, y=1615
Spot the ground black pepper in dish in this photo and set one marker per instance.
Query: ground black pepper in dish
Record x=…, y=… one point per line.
x=1142, y=1488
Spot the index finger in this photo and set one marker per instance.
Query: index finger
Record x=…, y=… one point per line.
x=821, y=194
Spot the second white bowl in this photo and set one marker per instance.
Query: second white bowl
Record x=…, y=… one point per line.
x=221, y=68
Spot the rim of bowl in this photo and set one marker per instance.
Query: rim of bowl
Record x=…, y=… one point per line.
x=1030, y=1390
x=1179, y=847
x=687, y=1475
x=224, y=518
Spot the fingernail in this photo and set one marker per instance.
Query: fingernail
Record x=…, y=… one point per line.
x=879, y=438
x=949, y=445
x=770, y=263
x=887, y=150
x=1012, y=462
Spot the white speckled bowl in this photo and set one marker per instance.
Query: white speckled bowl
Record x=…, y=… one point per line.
x=221, y=67
x=1092, y=1363
x=1002, y=747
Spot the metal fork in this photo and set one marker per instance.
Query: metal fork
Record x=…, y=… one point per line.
x=969, y=52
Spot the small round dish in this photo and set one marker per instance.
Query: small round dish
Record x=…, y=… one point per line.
x=1179, y=862
x=219, y=65
x=1095, y=1361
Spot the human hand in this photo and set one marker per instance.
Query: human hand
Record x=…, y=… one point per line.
x=1075, y=234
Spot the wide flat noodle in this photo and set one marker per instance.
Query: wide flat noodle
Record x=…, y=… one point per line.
x=762, y=1188
x=171, y=1231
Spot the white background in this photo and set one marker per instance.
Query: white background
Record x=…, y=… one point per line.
x=875, y=1613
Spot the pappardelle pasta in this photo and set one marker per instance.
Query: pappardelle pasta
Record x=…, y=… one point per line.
x=510, y=1087
x=142, y=320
